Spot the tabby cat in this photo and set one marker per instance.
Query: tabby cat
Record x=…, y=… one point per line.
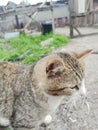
x=30, y=94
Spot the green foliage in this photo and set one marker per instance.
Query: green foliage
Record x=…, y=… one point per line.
x=28, y=48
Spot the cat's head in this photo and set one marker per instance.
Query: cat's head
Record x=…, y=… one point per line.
x=65, y=74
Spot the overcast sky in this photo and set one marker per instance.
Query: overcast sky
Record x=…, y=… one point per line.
x=4, y=2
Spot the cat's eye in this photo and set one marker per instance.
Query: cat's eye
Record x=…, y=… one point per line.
x=75, y=87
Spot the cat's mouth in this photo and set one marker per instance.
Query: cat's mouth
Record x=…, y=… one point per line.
x=57, y=90
x=62, y=91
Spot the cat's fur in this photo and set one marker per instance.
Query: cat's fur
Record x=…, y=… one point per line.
x=29, y=95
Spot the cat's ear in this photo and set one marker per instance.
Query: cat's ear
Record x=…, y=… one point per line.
x=82, y=54
x=54, y=68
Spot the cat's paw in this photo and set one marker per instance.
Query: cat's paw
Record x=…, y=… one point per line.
x=4, y=122
x=48, y=119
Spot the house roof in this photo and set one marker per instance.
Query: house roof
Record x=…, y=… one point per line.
x=10, y=3
x=58, y=12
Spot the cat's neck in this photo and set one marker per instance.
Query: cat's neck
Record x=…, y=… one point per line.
x=47, y=101
x=54, y=102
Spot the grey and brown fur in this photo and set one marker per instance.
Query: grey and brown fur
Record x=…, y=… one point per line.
x=30, y=94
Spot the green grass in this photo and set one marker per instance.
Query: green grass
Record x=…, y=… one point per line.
x=28, y=47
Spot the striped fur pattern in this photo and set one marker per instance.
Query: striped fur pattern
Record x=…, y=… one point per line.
x=30, y=94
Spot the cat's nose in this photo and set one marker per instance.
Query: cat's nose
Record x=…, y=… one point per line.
x=83, y=91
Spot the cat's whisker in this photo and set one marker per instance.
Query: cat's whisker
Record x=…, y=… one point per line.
x=88, y=107
x=85, y=102
x=71, y=104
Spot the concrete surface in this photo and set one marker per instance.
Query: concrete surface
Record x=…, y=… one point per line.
x=84, y=117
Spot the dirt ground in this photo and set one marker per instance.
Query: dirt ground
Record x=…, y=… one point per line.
x=85, y=115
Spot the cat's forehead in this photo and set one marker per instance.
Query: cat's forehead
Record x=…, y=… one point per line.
x=61, y=58
x=67, y=57
x=64, y=55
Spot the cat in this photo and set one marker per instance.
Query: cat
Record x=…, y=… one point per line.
x=30, y=94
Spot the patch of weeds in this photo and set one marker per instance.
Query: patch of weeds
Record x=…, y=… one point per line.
x=29, y=49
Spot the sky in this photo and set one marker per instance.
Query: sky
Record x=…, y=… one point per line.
x=4, y=2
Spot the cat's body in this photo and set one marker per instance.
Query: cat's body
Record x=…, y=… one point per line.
x=29, y=95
